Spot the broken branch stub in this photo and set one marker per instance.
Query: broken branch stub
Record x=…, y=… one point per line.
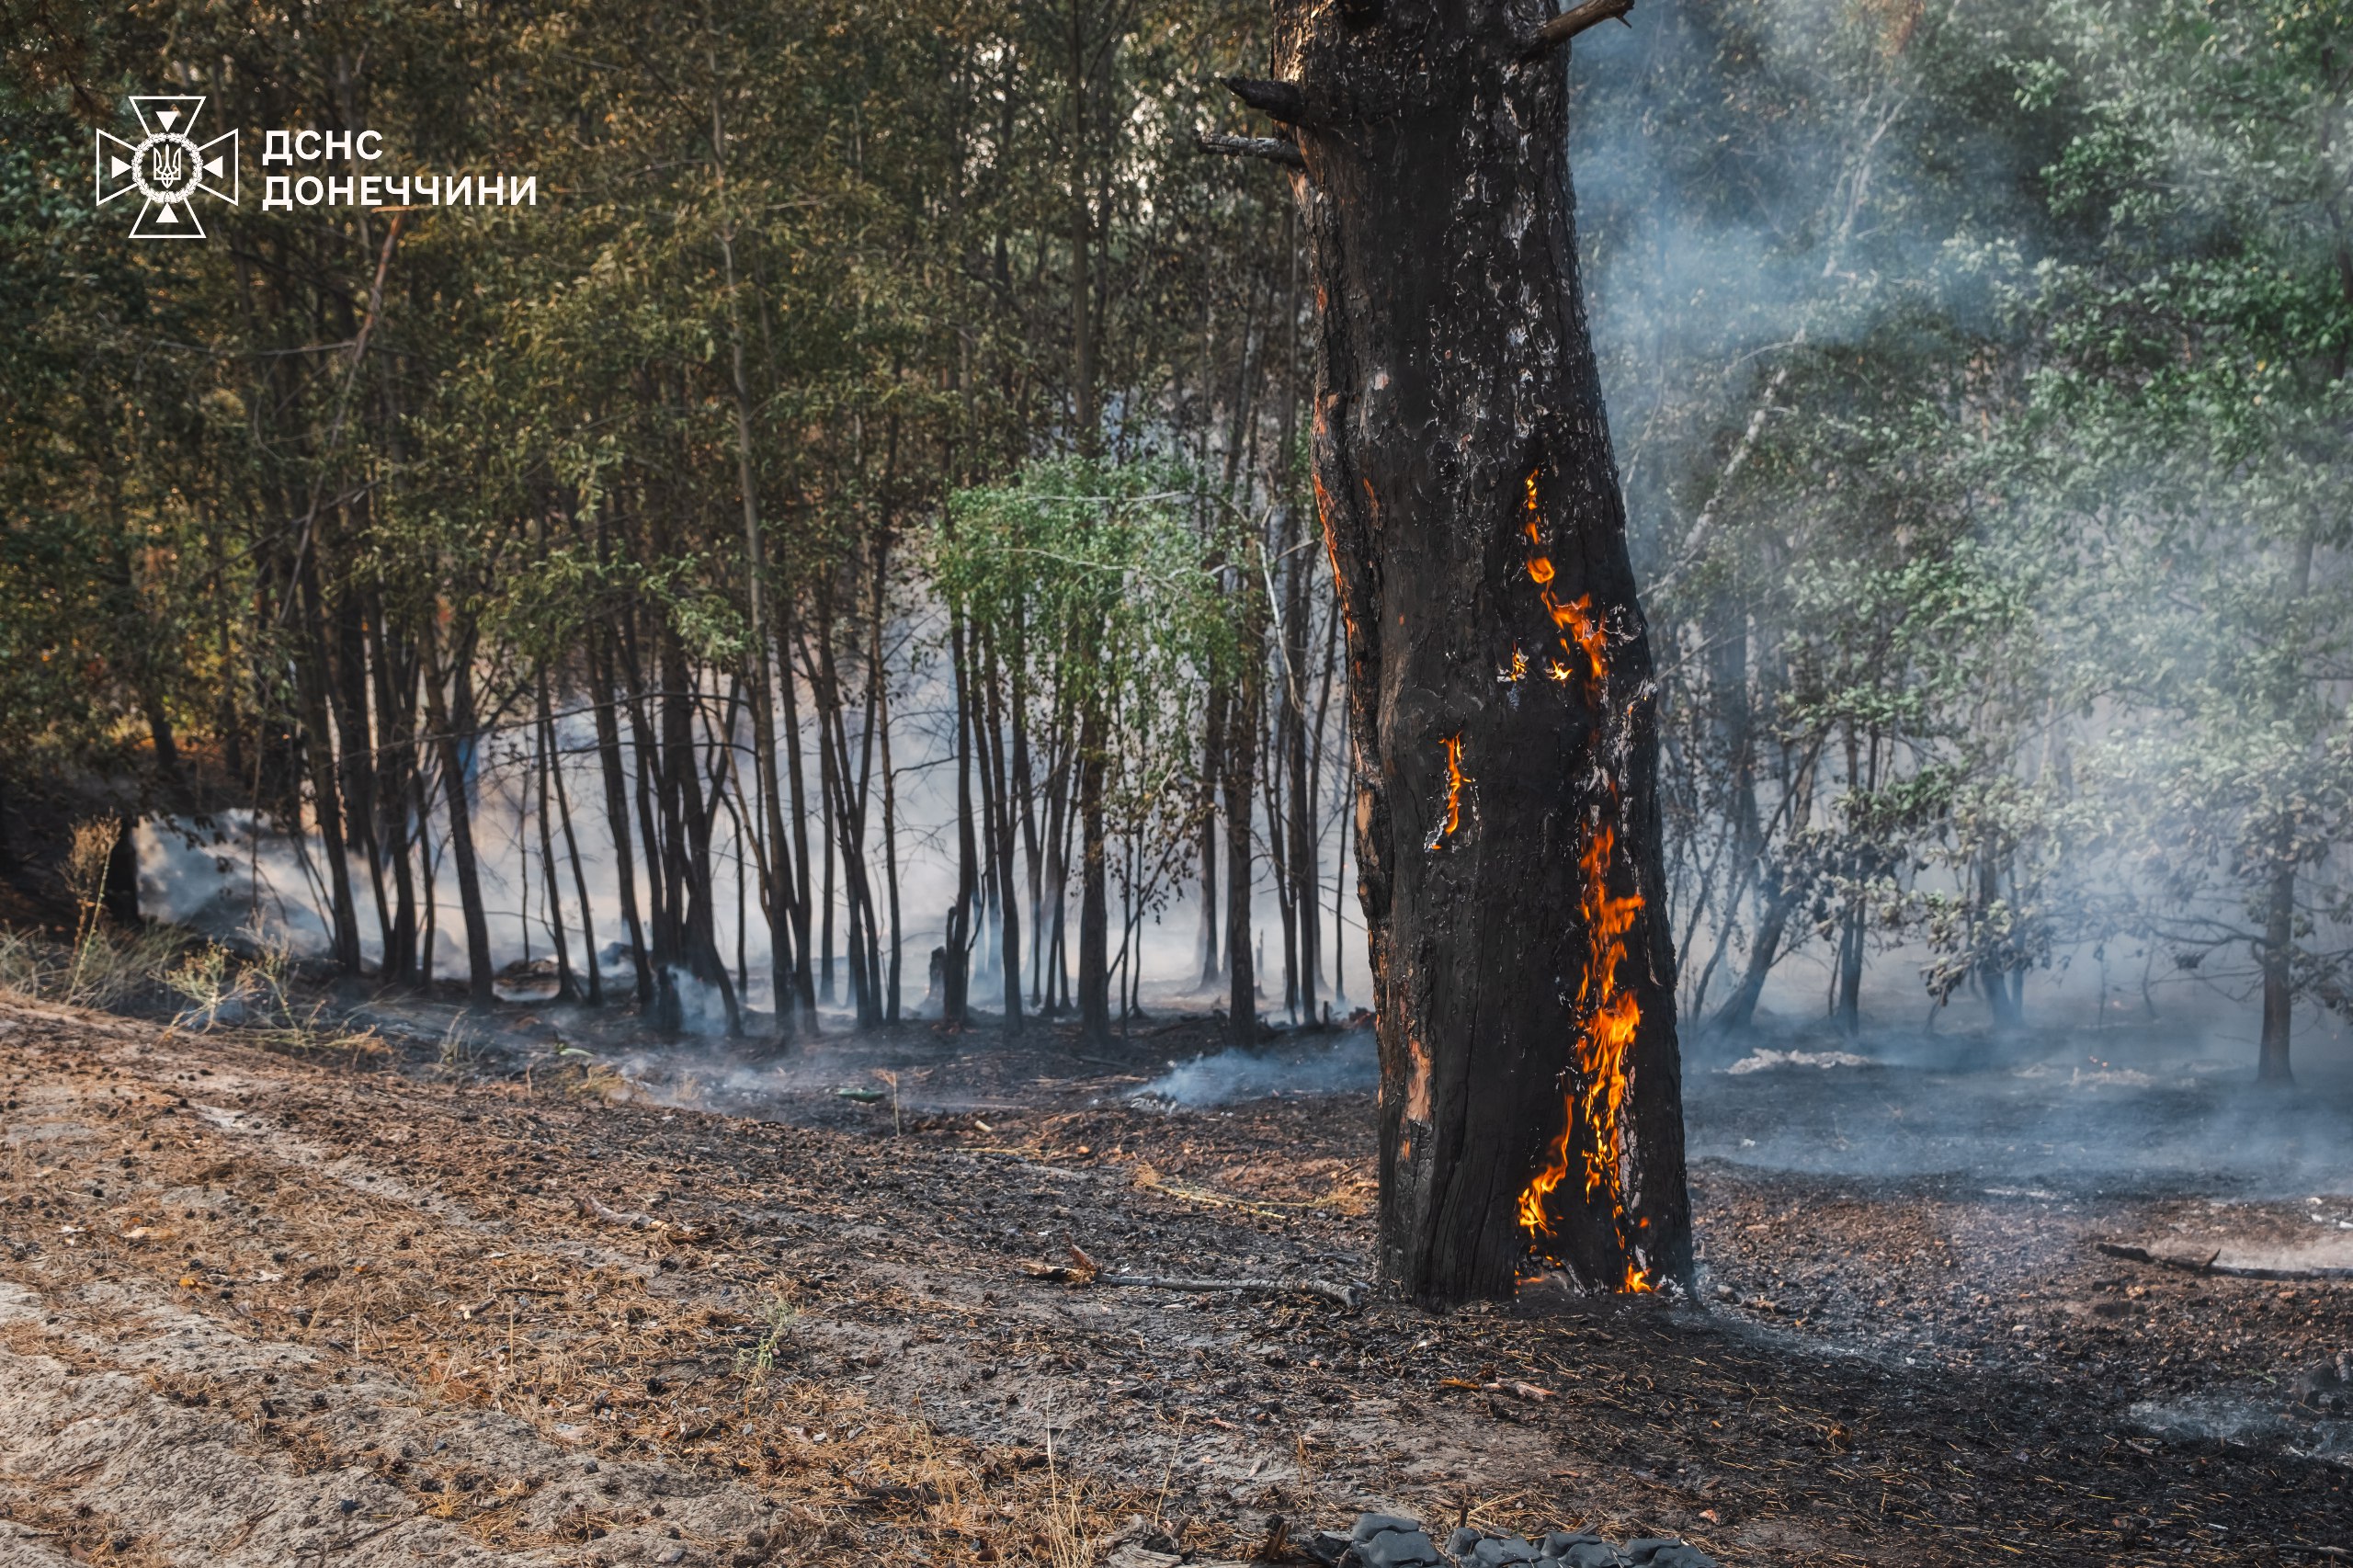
x=1271, y=149
x=1570, y=23
x=1281, y=101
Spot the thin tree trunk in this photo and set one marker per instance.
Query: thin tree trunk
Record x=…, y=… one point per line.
x=313, y=679
x=1085, y=419
x=1740, y=1009
x=1992, y=974
x=356, y=748
x=452, y=724
x=1241, y=741
x=394, y=691
x=2275, y=957
x=773, y=884
x=1094, y=913
x=1003, y=827
x=1054, y=987
x=566, y=989
x=571, y=852
x=789, y=685
x=1025, y=793
x=1340, y=881
x=603, y=697
x=1212, y=774
x=891, y=967
x=956, y=938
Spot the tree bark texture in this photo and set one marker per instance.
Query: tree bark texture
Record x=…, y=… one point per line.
x=1499, y=670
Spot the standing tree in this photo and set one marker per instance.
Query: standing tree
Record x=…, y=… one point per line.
x=1499, y=670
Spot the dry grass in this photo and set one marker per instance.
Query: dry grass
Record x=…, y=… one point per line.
x=156, y=965
x=103, y=967
x=704, y=1379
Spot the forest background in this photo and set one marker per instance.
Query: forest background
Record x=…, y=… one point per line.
x=882, y=444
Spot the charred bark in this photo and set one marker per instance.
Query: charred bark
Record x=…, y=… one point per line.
x=1499, y=669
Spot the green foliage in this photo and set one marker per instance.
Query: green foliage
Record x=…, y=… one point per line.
x=1105, y=582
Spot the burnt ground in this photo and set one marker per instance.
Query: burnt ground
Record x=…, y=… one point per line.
x=272, y=1301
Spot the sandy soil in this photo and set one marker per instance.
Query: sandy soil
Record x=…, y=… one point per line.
x=370, y=1305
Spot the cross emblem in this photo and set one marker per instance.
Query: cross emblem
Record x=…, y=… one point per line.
x=167, y=168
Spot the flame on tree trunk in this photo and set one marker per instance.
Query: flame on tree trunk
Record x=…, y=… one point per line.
x=1499, y=670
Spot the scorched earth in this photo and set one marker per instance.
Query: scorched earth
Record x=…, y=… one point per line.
x=368, y=1305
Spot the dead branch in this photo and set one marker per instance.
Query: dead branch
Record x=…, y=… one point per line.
x=1084, y=1271
x=2211, y=1264
x=1272, y=149
x=1281, y=101
x=1570, y=23
x=1350, y=1297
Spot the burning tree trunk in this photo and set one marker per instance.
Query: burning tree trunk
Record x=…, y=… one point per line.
x=1499, y=670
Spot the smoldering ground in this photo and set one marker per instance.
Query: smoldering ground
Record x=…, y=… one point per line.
x=810, y=1326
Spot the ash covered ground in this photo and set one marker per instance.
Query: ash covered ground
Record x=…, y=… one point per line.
x=548, y=1294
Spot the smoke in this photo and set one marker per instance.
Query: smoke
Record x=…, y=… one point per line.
x=242, y=879
x=2054, y=1116
x=1347, y=1065
x=702, y=1010
x=1760, y=1061
x=2224, y=1419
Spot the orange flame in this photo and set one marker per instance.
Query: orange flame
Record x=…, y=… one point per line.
x=1575, y=617
x=1455, y=780
x=1610, y=1016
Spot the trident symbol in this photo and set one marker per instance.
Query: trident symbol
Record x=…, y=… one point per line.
x=167, y=168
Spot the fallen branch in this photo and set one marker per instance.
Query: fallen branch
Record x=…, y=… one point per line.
x=1084, y=1271
x=1348, y=1296
x=1152, y=1180
x=2211, y=1264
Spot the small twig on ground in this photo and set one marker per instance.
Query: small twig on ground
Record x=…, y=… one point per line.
x=1512, y=1386
x=1102, y=1060
x=588, y=1204
x=2211, y=1266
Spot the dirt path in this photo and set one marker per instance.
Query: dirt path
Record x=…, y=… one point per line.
x=256, y=1308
